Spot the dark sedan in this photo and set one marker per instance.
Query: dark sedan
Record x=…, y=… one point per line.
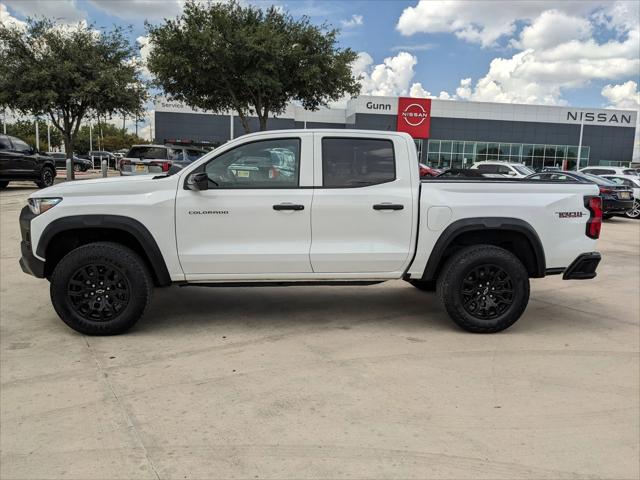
x=79, y=164
x=616, y=199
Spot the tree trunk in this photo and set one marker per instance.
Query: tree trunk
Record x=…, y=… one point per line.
x=68, y=148
x=244, y=121
x=263, y=122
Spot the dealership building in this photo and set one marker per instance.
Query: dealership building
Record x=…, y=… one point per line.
x=446, y=132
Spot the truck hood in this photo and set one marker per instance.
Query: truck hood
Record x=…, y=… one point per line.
x=107, y=186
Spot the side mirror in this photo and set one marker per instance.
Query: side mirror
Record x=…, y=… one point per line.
x=197, y=181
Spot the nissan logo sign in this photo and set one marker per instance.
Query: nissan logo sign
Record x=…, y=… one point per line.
x=414, y=114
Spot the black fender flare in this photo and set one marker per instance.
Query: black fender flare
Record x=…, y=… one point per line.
x=113, y=222
x=482, y=224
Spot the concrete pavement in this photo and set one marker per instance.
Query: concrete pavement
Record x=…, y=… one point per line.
x=324, y=382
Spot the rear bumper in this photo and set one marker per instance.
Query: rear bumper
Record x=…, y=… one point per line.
x=28, y=262
x=583, y=267
x=615, y=205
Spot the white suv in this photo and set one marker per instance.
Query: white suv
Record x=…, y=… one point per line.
x=502, y=169
x=610, y=171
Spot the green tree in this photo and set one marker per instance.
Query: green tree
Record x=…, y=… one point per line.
x=68, y=73
x=26, y=130
x=220, y=56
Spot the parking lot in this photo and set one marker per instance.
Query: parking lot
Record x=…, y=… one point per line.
x=324, y=382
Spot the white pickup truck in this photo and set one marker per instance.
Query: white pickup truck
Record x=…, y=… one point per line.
x=300, y=207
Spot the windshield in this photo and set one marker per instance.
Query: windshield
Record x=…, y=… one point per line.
x=523, y=170
x=149, y=153
x=595, y=179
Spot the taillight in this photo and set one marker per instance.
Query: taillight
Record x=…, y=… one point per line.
x=606, y=190
x=594, y=224
x=166, y=166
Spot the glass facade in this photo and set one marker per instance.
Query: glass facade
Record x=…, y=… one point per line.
x=460, y=154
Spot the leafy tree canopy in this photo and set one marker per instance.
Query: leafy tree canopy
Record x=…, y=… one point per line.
x=224, y=56
x=68, y=73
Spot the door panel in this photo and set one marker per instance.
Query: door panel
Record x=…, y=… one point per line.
x=233, y=228
x=361, y=228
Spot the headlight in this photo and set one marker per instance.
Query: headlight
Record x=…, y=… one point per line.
x=41, y=205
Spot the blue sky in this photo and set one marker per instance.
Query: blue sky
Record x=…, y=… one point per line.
x=577, y=52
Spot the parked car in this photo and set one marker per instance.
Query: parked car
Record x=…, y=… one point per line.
x=632, y=182
x=616, y=199
x=79, y=164
x=610, y=171
x=502, y=169
x=20, y=161
x=426, y=171
x=461, y=172
x=99, y=155
x=358, y=192
x=156, y=159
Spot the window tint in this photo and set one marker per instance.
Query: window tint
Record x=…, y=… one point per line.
x=504, y=170
x=629, y=171
x=523, y=170
x=357, y=162
x=486, y=168
x=561, y=177
x=5, y=144
x=175, y=154
x=193, y=154
x=539, y=176
x=148, y=153
x=262, y=164
x=20, y=146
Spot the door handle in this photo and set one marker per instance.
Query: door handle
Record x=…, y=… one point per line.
x=388, y=206
x=288, y=206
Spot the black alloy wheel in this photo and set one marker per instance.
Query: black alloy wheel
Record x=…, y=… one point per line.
x=101, y=288
x=484, y=288
x=487, y=292
x=47, y=177
x=98, y=292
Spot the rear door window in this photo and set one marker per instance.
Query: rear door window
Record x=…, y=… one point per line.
x=5, y=144
x=20, y=146
x=356, y=162
x=487, y=168
x=148, y=153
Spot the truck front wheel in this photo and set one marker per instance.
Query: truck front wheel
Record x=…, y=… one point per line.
x=484, y=288
x=101, y=288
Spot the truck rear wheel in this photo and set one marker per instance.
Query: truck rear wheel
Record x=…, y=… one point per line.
x=101, y=288
x=484, y=288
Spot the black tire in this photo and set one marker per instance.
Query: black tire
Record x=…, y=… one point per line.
x=481, y=307
x=635, y=211
x=607, y=216
x=77, y=167
x=3, y=185
x=47, y=177
x=424, y=285
x=120, y=269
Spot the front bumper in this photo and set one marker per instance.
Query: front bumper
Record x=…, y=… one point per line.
x=583, y=267
x=28, y=262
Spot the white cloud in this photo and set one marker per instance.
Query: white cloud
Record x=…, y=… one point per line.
x=559, y=52
x=553, y=28
x=145, y=49
x=354, y=21
x=7, y=19
x=151, y=9
x=66, y=11
x=389, y=78
x=624, y=96
x=414, y=48
x=483, y=22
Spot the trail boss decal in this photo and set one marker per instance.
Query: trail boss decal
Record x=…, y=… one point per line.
x=570, y=214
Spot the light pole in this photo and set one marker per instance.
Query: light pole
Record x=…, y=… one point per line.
x=37, y=136
x=48, y=135
x=580, y=142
